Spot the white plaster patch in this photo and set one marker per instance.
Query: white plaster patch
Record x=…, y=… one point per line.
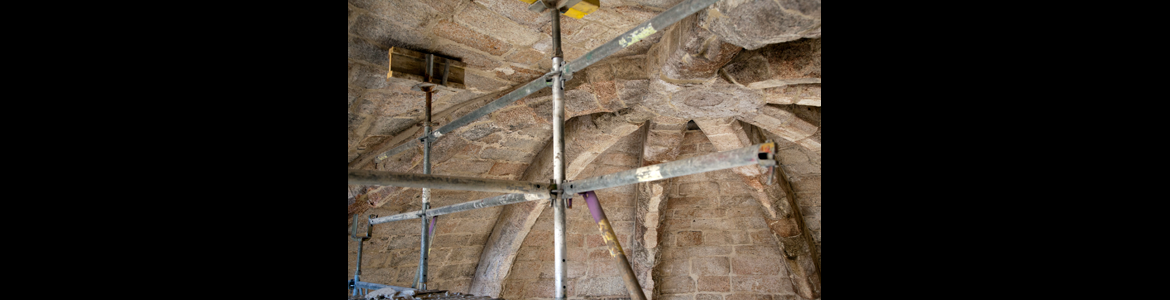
x=506, y=69
x=652, y=173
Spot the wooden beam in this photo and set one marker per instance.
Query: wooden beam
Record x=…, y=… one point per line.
x=412, y=65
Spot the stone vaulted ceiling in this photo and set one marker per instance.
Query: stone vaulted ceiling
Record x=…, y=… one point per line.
x=743, y=71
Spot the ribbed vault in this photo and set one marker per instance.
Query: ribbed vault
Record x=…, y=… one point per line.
x=685, y=236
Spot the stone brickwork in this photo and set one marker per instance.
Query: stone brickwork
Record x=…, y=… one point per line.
x=391, y=255
x=591, y=271
x=802, y=167
x=714, y=236
x=715, y=243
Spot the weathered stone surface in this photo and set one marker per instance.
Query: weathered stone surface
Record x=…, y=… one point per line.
x=612, y=18
x=688, y=54
x=797, y=62
x=516, y=11
x=388, y=34
x=749, y=297
x=472, y=58
x=470, y=38
x=479, y=83
x=445, y=7
x=488, y=22
x=364, y=76
x=760, y=284
x=689, y=238
x=710, y=266
x=580, y=102
x=705, y=222
x=752, y=24
x=361, y=50
x=718, y=101
x=527, y=57
x=406, y=12
x=632, y=92
x=801, y=94
x=677, y=284
x=654, y=4
x=630, y=68
x=713, y=284
x=711, y=297
x=783, y=124
x=603, y=286
x=517, y=74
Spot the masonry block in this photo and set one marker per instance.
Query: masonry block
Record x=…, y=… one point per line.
x=470, y=38
x=677, y=285
x=755, y=23
x=713, y=284
x=389, y=34
x=757, y=266
x=689, y=238
x=749, y=297
x=761, y=284
x=491, y=23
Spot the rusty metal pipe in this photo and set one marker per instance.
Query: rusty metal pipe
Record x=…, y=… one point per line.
x=615, y=248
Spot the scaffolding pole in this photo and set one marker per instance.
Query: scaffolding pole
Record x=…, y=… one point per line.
x=466, y=206
x=424, y=237
x=558, y=143
x=759, y=154
x=711, y=162
x=615, y=248
x=370, y=177
x=643, y=30
x=360, y=239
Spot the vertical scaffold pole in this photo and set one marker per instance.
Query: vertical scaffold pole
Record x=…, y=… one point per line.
x=615, y=248
x=425, y=237
x=558, y=139
x=360, y=239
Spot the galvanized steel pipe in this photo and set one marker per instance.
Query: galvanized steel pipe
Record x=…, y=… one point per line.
x=465, y=206
x=751, y=155
x=558, y=140
x=370, y=177
x=655, y=24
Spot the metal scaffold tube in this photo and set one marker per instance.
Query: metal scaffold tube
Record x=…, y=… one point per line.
x=360, y=239
x=558, y=140
x=615, y=248
x=639, y=32
x=465, y=206
x=426, y=191
x=370, y=177
x=759, y=154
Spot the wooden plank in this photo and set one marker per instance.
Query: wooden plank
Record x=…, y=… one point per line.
x=411, y=65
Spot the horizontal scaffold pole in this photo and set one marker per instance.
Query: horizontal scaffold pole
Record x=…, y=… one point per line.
x=465, y=206
x=761, y=154
x=655, y=24
x=369, y=177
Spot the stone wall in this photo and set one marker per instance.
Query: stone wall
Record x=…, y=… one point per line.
x=391, y=255
x=802, y=167
x=715, y=244
x=591, y=272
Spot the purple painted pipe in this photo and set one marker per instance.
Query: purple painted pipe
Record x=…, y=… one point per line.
x=594, y=207
x=615, y=249
x=433, y=220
